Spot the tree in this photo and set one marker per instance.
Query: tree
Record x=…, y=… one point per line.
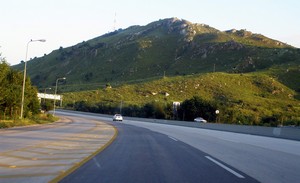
x=157, y=110
x=32, y=104
x=197, y=107
x=148, y=110
x=4, y=69
x=11, y=88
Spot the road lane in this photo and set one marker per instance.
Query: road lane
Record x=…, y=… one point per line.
x=41, y=153
x=142, y=155
x=266, y=159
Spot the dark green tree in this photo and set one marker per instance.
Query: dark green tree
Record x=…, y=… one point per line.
x=11, y=89
x=197, y=107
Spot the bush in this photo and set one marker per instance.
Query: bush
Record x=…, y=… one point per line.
x=270, y=121
x=155, y=110
x=47, y=105
x=197, y=107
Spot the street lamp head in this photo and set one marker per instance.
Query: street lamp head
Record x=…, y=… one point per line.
x=35, y=40
x=61, y=78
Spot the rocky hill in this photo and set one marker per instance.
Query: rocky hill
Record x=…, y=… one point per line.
x=166, y=47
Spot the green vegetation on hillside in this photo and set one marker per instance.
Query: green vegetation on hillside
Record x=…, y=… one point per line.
x=172, y=46
x=250, y=78
x=242, y=98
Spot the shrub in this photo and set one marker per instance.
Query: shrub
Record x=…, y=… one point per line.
x=197, y=107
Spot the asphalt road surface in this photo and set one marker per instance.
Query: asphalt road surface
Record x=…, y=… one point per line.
x=269, y=160
x=41, y=153
x=165, y=151
x=142, y=152
x=141, y=155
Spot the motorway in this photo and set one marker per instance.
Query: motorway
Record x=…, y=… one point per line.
x=264, y=158
x=149, y=152
x=141, y=155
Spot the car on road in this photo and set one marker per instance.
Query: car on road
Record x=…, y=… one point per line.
x=200, y=120
x=117, y=117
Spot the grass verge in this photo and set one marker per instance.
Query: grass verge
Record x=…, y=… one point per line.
x=37, y=119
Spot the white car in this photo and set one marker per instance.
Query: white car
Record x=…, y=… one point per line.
x=117, y=117
x=200, y=120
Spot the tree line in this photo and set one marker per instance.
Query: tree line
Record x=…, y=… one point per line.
x=11, y=82
x=187, y=111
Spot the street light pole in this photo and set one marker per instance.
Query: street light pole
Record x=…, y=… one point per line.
x=45, y=94
x=217, y=115
x=24, y=77
x=56, y=92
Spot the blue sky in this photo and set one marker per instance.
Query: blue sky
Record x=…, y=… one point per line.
x=68, y=22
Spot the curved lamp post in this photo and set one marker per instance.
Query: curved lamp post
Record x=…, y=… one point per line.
x=55, y=93
x=217, y=115
x=45, y=94
x=24, y=78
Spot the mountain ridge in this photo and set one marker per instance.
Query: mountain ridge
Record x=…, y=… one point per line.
x=165, y=47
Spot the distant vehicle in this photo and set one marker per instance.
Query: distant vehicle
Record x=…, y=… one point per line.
x=117, y=117
x=200, y=120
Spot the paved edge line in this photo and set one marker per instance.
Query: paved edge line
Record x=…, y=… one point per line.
x=225, y=167
x=173, y=138
x=27, y=175
x=77, y=165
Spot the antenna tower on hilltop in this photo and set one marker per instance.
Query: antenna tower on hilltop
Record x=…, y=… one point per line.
x=115, y=22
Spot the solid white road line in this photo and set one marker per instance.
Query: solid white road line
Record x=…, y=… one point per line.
x=225, y=167
x=172, y=138
x=97, y=163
